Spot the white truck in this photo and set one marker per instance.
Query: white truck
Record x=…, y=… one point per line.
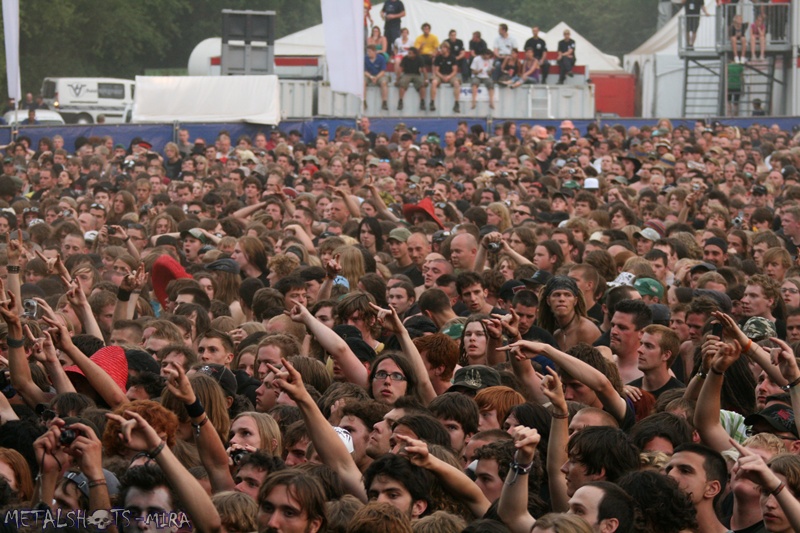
x=82, y=100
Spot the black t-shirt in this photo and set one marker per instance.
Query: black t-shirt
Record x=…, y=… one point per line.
x=445, y=64
x=456, y=47
x=669, y=385
x=477, y=47
x=596, y=313
x=538, y=46
x=411, y=271
x=565, y=45
x=693, y=7
x=391, y=7
x=411, y=65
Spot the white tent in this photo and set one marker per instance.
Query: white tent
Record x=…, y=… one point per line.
x=443, y=18
x=659, y=69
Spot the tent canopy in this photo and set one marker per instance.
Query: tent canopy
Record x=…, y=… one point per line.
x=465, y=20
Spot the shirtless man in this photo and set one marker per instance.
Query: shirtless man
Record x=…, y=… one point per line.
x=565, y=314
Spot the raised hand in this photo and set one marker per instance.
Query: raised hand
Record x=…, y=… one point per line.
x=785, y=360
x=552, y=388
x=134, y=281
x=415, y=450
x=288, y=380
x=8, y=307
x=525, y=441
x=510, y=324
x=726, y=355
x=493, y=328
x=15, y=248
x=48, y=450
x=178, y=383
x=298, y=312
x=135, y=432
x=751, y=466
x=333, y=267
x=393, y=324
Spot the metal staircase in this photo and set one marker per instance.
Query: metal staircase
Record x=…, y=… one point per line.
x=702, y=86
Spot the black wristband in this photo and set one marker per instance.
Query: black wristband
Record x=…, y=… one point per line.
x=123, y=295
x=195, y=409
x=13, y=269
x=15, y=343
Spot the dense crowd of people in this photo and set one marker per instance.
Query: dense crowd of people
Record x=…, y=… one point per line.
x=526, y=329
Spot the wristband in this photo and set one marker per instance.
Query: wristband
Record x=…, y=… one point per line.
x=559, y=416
x=521, y=469
x=717, y=372
x=123, y=295
x=157, y=450
x=199, y=425
x=13, y=269
x=195, y=409
x=97, y=483
x=778, y=489
x=791, y=385
x=749, y=345
x=15, y=343
x=702, y=375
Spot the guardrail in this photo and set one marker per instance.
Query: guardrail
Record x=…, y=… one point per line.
x=772, y=22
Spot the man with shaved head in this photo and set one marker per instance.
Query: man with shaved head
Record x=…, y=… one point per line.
x=463, y=249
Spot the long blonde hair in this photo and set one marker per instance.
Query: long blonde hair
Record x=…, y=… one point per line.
x=268, y=431
x=352, y=261
x=500, y=209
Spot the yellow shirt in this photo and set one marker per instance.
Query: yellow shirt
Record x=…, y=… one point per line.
x=427, y=45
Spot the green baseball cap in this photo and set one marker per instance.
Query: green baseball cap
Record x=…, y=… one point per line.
x=649, y=287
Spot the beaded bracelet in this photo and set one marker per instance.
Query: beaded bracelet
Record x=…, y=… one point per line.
x=157, y=450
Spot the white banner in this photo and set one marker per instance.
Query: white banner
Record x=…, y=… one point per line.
x=11, y=34
x=254, y=99
x=343, y=26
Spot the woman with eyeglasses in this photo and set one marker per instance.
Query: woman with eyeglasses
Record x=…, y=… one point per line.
x=392, y=376
x=790, y=292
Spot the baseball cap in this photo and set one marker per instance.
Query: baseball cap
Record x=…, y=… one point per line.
x=222, y=375
x=758, y=328
x=649, y=287
x=624, y=278
x=702, y=267
x=540, y=277
x=196, y=234
x=474, y=378
x=224, y=265
x=510, y=288
x=778, y=416
x=399, y=234
x=591, y=183
x=648, y=233
x=454, y=331
x=661, y=314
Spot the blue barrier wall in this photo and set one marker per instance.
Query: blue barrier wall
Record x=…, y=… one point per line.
x=160, y=134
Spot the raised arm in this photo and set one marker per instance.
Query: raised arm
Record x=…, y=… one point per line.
x=102, y=383
x=301, y=234
x=351, y=204
x=557, y=444
x=15, y=248
x=522, y=367
x=352, y=368
x=77, y=300
x=787, y=363
x=326, y=441
x=453, y=480
x=751, y=466
x=45, y=352
x=380, y=205
x=20, y=372
x=138, y=435
x=756, y=353
x=585, y=373
x=706, y=414
x=209, y=446
x=128, y=292
x=248, y=210
x=513, y=504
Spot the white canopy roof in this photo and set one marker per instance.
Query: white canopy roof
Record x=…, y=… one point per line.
x=465, y=20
